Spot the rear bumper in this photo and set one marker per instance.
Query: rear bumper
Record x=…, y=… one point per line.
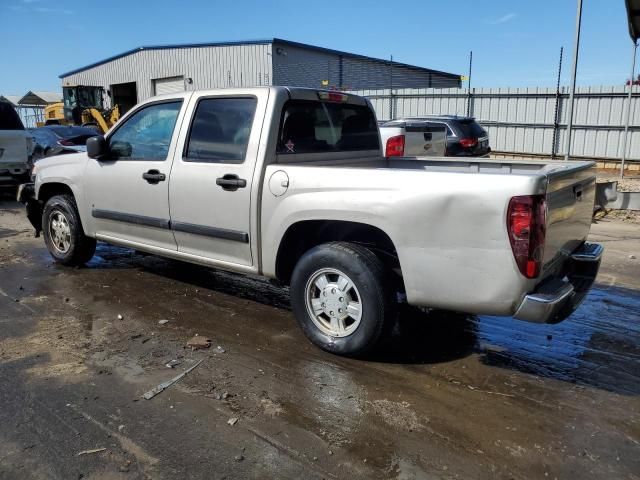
x=13, y=175
x=556, y=299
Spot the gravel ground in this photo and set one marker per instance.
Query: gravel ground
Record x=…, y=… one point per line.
x=628, y=216
x=627, y=184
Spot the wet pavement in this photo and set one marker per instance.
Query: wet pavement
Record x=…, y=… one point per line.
x=449, y=396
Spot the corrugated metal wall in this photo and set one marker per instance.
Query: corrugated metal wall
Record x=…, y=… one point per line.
x=302, y=67
x=209, y=67
x=521, y=120
x=254, y=64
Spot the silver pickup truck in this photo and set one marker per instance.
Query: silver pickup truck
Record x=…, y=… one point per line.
x=291, y=184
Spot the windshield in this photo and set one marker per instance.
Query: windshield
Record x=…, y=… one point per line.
x=84, y=97
x=315, y=127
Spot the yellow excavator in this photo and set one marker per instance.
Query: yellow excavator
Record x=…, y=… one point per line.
x=81, y=105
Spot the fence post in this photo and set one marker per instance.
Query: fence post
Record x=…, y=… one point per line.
x=556, y=115
x=469, y=84
x=391, y=116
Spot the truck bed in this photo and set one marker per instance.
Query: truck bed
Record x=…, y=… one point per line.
x=569, y=188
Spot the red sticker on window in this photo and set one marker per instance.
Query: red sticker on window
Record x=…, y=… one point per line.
x=290, y=146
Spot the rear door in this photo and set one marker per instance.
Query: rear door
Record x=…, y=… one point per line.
x=211, y=181
x=471, y=129
x=129, y=192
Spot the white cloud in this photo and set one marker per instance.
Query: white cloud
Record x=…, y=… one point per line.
x=53, y=10
x=504, y=18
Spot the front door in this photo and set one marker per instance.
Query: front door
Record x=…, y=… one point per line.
x=210, y=189
x=129, y=192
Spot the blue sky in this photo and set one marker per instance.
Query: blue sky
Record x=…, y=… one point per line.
x=514, y=43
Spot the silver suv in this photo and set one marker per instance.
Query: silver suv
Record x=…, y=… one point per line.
x=434, y=136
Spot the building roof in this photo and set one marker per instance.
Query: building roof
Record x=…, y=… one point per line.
x=12, y=99
x=269, y=41
x=363, y=57
x=40, y=98
x=633, y=16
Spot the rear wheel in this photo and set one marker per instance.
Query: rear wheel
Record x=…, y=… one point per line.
x=341, y=297
x=63, y=232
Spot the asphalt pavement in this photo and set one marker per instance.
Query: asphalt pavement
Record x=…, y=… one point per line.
x=450, y=395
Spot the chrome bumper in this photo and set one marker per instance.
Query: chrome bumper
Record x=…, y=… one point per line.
x=26, y=191
x=558, y=298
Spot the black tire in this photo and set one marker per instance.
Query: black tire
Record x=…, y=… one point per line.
x=373, y=284
x=81, y=248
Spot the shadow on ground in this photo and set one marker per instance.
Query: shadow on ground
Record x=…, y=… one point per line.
x=597, y=346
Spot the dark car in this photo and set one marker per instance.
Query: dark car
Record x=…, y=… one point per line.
x=59, y=139
x=464, y=136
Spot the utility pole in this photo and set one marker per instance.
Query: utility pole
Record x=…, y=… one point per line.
x=626, y=123
x=576, y=49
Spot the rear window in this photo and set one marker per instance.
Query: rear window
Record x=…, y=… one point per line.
x=471, y=129
x=220, y=130
x=318, y=127
x=9, y=119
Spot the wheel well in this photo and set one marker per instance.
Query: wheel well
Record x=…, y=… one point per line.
x=302, y=236
x=48, y=190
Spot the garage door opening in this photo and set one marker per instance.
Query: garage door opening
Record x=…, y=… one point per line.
x=125, y=95
x=162, y=86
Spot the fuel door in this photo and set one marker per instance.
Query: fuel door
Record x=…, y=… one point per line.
x=279, y=183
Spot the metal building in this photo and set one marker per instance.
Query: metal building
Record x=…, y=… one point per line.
x=143, y=72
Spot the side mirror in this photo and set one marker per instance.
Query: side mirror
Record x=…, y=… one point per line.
x=97, y=147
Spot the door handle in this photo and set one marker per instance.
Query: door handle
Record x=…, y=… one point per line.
x=231, y=182
x=154, y=176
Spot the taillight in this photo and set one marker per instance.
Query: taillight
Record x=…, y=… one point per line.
x=468, y=142
x=66, y=143
x=395, y=146
x=526, y=224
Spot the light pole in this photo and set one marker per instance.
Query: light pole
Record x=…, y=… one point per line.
x=576, y=49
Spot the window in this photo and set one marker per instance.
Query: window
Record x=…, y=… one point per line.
x=315, y=127
x=470, y=128
x=9, y=119
x=146, y=134
x=438, y=128
x=220, y=130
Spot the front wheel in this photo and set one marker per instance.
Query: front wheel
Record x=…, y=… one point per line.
x=342, y=298
x=63, y=232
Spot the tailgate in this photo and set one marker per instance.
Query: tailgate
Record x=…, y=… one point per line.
x=13, y=148
x=570, y=199
x=425, y=139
